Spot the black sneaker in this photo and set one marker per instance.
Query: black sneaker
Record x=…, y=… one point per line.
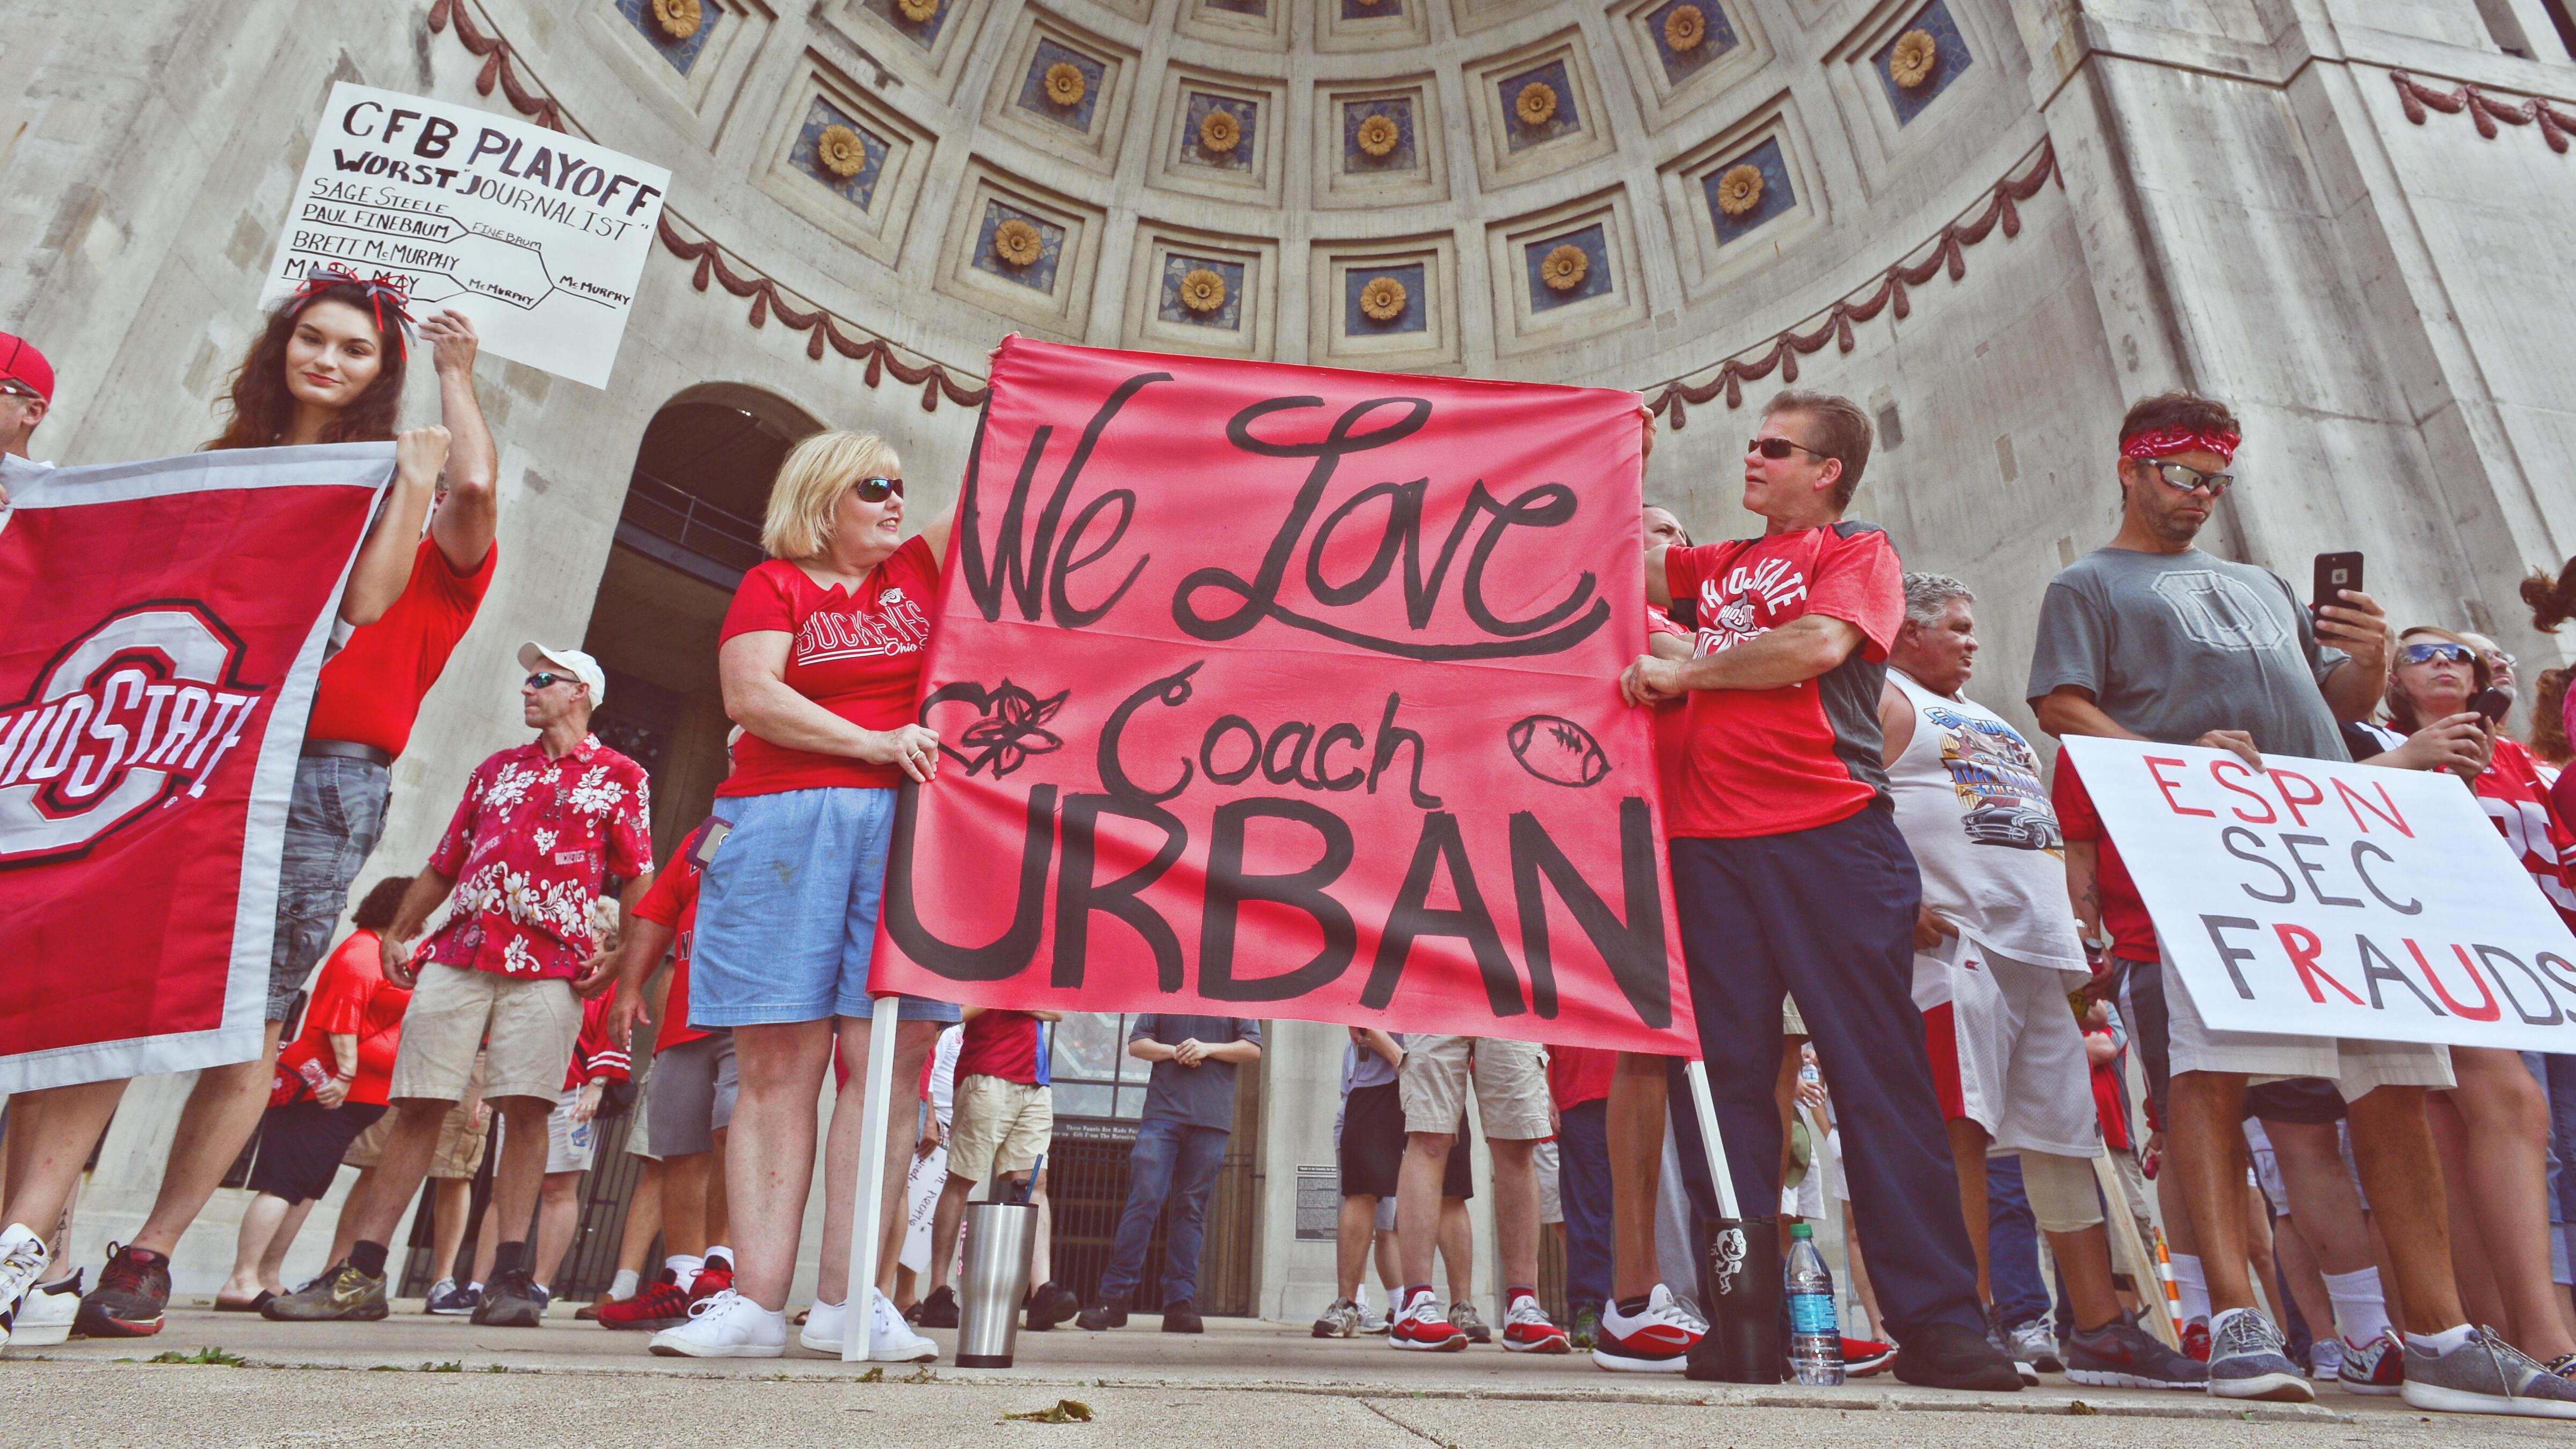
x=511, y=1301
x=939, y=1310
x=1182, y=1317
x=341, y=1293
x=1050, y=1305
x=1946, y=1356
x=2119, y=1355
x=132, y=1290
x=1107, y=1313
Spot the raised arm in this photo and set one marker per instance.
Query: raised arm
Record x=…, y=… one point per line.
x=383, y=565
x=472, y=510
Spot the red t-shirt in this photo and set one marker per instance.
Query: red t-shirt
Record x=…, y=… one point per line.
x=857, y=654
x=2106, y=1100
x=2514, y=797
x=596, y=1054
x=672, y=900
x=2124, y=914
x=1767, y=762
x=1001, y=1044
x=369, y=693
x=1576, y=1075
x=352, y=998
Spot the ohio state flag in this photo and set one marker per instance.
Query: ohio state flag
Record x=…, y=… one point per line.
x=161, y=623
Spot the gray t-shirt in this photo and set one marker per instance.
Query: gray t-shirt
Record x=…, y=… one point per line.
x=1202, y=1096
x=2174, y=645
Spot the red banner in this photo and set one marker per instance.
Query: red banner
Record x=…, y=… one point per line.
x=160, y=626
x=1291, y=692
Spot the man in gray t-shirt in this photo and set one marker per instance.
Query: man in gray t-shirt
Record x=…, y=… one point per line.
x=1180, y=1144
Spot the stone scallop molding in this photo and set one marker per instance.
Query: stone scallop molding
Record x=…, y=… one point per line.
x=2485, y=110
x=825, y=327
x=1947, y=254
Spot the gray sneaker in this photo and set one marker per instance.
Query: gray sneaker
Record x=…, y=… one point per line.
x=2002, y=1341
x=2034, y=1343
x=2486, y=1375
x=2248, y=1361
x=2119, y=1355
x=1342, y=1320
x=1464, y=1317
x=342, y=1293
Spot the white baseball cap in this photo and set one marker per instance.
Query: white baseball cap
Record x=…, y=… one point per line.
x=534, y=656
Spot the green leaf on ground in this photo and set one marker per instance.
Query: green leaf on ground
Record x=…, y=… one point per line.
x=1063, y=1411
x=223, y=1357
x=452, y=1366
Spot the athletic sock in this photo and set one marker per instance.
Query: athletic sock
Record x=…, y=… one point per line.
x=367, y=1258
x=2442, y=1342
x=1515, y=1292
x=1404, y=1295
x=685, y=1268
x=2195, y=1289
x=2360, y=1306
x=509, y=1256
x=720, y=1251
x=625, y=1283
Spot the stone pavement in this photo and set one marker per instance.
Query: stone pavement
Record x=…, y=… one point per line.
x=438, y=1381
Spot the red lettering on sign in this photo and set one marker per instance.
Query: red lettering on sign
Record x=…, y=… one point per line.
x=2304, y=949
x=2355, y=802
x=2314, y=796
x=2269, y=814
x=2490, y=1012
x=2167, y=786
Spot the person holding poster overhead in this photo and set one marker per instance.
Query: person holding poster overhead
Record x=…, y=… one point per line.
x=1791, y=878
x=2150, y=638
x=2493, y=1127
x=1996, y=955
x=821, y=662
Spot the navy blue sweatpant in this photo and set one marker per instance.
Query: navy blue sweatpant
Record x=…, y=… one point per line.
x=1827, y=916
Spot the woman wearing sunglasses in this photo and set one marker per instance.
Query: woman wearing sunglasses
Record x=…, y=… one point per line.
x=821, y=661
x=2493, y=1128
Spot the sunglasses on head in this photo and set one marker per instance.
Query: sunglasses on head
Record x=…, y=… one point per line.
x=2427, y=653
x=12, y=387
x=2183, y=478
x=1778, y=448
x=548, y=679
x=877, y=490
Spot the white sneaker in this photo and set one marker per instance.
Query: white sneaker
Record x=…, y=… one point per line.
x=22, y=1262
x=822, y=1330
x=890, y=1339
x=45, y=1315
x=726, y=1325
x=1657, y=1341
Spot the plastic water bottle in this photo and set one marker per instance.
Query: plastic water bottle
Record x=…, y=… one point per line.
x=1815, y=1338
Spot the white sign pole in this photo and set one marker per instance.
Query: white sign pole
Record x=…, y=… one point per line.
x=867, y=1221
x=1697, y=1072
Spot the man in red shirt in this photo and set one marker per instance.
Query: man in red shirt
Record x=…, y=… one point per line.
x=540, y=832
x=1004, y=1115
x=1790, y=875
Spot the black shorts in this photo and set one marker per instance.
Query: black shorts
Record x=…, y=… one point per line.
x=2295, y=1099
x=301, y=1144
x=1372, y=1153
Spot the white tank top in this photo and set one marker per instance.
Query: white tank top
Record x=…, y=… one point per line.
x=1971, y=805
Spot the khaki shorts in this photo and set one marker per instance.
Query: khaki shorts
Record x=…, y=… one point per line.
x=998, y=1126
x=2355, y=1067
x=526, y=1029
x=460, y=1145
x=1511, y=1085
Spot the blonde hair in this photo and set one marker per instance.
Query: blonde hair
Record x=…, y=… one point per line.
x=810, y=484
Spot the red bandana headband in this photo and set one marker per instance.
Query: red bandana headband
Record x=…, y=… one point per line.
x=2157, y=443
x=384, y=290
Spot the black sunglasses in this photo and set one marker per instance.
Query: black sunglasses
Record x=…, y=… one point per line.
x=1778, y=448
x=877, y=490
x=548, y=679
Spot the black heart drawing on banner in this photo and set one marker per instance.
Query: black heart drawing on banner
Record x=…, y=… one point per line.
x=1010, y=725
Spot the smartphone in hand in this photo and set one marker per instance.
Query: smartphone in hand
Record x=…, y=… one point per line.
x=2335, y=573
x=2493, y=702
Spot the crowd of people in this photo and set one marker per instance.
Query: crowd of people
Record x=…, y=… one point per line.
x=1915, y=959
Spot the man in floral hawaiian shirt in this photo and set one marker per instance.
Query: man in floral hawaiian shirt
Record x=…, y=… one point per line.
x=541, y=831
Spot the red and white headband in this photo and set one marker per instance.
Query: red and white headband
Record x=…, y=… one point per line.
x=2157, y=443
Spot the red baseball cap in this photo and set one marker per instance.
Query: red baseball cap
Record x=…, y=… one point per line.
x=21, y=362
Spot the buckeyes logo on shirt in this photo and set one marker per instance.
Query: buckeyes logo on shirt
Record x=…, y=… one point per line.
x=137, y=713
x=854, y=633
x=1748, y=602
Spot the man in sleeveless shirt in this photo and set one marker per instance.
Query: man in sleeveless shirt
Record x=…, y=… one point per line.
x=1995, y=955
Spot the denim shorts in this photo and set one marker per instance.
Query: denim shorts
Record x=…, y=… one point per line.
x=787, y=910
x=333, y=821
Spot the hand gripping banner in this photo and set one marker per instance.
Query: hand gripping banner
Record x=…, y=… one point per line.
x=1291, y=692
x=160, y=626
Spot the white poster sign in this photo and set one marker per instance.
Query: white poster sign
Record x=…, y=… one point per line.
x=537, y=237
x=2318, y=898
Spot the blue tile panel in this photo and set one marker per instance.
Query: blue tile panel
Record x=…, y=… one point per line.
x=1778, y=196
x=858, y=188
x=1717, y=39
x=1033, y=93
x=682, y=54
x=1245, y=113
x=1595, y=247
x=920, y=32
x=1519, y=136
x=1414, y=317
x=1227, y=318
x=1405, y=157
x=1037, y=276
x=1933, y=19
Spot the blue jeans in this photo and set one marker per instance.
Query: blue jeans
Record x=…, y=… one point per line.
x=333, y=821
x=1583, y=1190
x=1173, y=1162
x=2012, y=1246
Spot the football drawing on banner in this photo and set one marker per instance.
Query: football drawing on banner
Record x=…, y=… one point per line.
x=152, y=703
x=2320, y=898
x=537, y=235
x=1291, y=691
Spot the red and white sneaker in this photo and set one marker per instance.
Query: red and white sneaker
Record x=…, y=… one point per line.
x=1865, y=1356
x=1422, y=1327
x=2195, y=1339
x=1657, y=1341
x=1526, y=1329
x=2377, y=1368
